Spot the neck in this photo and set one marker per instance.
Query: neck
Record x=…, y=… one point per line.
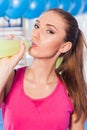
x=42, y=71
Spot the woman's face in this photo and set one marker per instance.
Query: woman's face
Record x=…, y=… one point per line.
x=47, y=35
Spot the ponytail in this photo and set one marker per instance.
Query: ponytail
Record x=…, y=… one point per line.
x=71, y=70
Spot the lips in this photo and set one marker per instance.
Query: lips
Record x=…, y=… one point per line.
x=34, y=45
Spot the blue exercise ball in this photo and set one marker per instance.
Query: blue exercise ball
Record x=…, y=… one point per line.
x=35, y=8
x=85, y=7
x=51, y=4
x=3, y=7
x=65, y=5
x=17, y=8
x=77, y=7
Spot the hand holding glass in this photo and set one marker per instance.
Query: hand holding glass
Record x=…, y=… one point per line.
x=9, y=47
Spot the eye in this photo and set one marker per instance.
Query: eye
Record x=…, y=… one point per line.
x=36, y=26
x=50, y=31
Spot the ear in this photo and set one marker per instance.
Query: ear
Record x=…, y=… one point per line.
x=65, y=47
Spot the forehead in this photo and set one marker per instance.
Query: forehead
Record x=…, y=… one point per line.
x=53, y=18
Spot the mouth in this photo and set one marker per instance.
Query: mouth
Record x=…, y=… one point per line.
x=33, y=44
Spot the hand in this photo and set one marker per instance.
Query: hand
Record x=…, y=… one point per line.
x=7, y=64
x=11, y=62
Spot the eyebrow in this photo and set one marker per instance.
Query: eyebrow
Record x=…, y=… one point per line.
x=48, y=25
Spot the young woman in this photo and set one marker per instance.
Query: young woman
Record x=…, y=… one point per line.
x=41, y=96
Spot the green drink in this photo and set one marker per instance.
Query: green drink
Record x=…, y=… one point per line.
x=11, y=47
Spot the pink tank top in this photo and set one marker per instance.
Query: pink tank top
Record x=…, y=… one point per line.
x=20, y=112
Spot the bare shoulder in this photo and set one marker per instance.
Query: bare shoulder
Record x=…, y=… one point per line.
x=79, y=125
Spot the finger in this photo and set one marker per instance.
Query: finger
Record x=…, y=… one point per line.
x=11, y=36
x=16, y=58
x=22, y=48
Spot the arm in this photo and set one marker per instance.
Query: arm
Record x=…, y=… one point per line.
x=6, y=71
x=77, y=125
x=4, y=88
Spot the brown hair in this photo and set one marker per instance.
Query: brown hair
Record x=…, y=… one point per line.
x=72, y=64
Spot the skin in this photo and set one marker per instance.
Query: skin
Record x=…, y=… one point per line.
x=40, y=78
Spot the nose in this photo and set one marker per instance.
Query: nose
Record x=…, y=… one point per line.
x=35, y=34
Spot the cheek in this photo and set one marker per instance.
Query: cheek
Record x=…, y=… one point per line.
x=44, y=50
x=53, y=46
x=51, y=50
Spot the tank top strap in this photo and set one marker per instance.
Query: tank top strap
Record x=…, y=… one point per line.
x=20, y=72
x=19, y=75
